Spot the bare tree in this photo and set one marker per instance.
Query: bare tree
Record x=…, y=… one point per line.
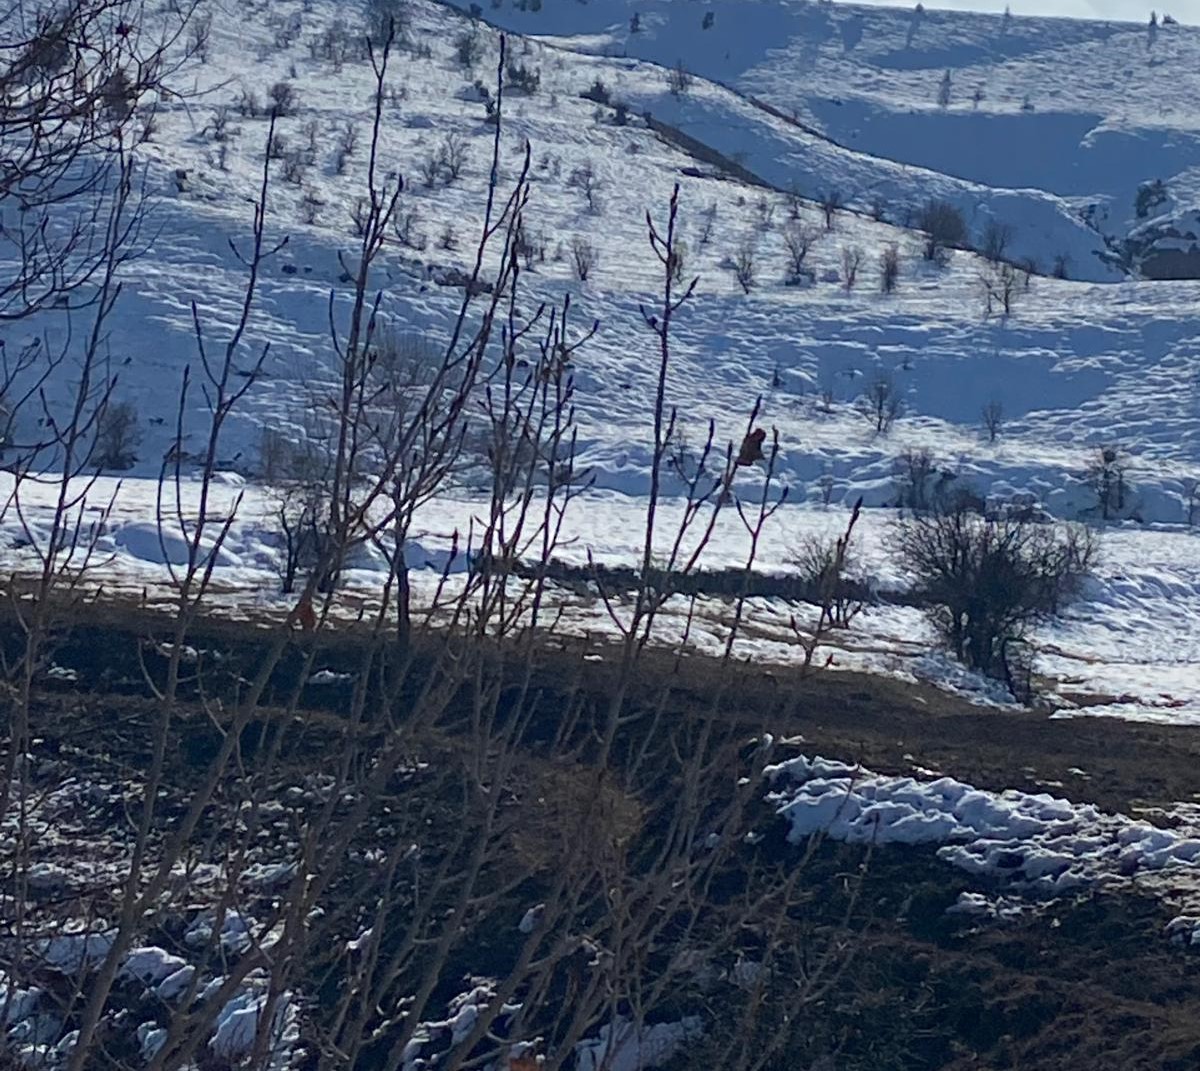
x=744, y=270
x=881, y=402
x=992, y=417
x=825, y=565
x=889, y=268
x=852, y=257
x=1000, y=285
x=679, y=80
x=831, y=202
x=944, y=228
x=996, y=239
x=583, y=257
x=1106, y=474
x=586, y=181
x=797, y=242
x=454, y=154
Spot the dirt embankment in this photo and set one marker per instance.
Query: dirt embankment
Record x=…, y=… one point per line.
x=1088, y=984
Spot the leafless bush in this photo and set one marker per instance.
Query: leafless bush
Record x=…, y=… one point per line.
x=944, y=229
x=990, y=579
x=798, y=240
x=407, y=229
x=708, y=220
x=995, y=240
x=454, y=153
x=1106, y=474
x=524, y=78
x=992, y=418
x=200, y=37
x=914, y=475
x=284, y=99
x=831, y=202
x=852, y=257
x=586, y=181
x=766, y=213
x=247, y=104
x=825, y=565
x=430, y=169
x=360, y=216
x=881, y=402
x=468, y=48
x=1000, y=284
x=744, y=270
x=118, y=436
x=295, y=167
x=1062, y=266
x=584, y=257
x=889, y=268
x=679, y=80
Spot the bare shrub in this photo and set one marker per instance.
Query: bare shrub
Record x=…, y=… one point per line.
x=454, y=153
x=360, y=215
x=584, y=257
x=944, y=229
x=117, y=436
x=744, y=267
x=1106, y=474
x=586, y=181
x=881, y=402
x=248, y=105
x=679, y=81
x=852, y=257
x=831, y=202
x=522, y=78
x=1062, y=266
x=199, y=38
x=989, y=580
x=889, y=268
x=468, y=48
x=914, y=476
x=310, y=206
x=708, y=220
x=798, y=241
x=284, y=99
x=406, y=226
x=825, y=565
x=347, y=143
x=995, y=240
x=1000, y=284
x=430, y=169
x=992, y=418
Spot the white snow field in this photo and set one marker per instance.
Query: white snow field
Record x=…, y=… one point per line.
x=1072, y=117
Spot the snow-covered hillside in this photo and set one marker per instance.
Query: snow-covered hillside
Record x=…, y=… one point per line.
x=791, y=97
